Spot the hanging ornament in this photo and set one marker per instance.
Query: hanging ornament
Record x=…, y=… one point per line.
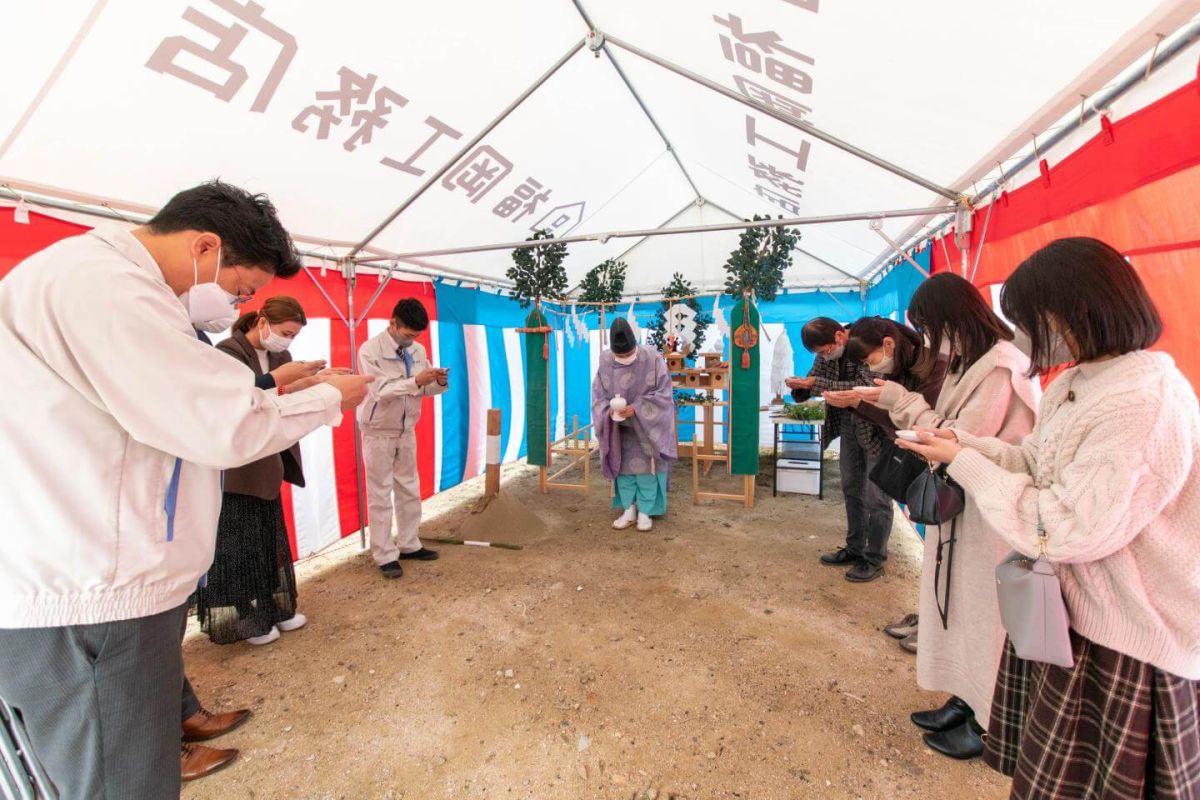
x=746, y=335
x=722, y=325
x=681, y=323
x=781, y=364
x=570, y=327
x=581, y=328
x=631, y=318
x=719, y=317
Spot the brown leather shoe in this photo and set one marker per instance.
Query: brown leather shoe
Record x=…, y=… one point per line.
x=197, y=761
x=204, y=725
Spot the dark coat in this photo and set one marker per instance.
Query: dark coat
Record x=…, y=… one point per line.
x=261, y=478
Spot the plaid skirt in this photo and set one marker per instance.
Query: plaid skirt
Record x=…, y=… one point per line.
x=1111, y=728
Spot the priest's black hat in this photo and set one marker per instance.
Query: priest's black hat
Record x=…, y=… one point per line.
x=620, y=337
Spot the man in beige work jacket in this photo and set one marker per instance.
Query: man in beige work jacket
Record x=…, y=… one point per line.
x=388, y=418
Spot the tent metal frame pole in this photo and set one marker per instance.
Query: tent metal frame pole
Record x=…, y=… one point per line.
x=727, y=226
x=673, y=217
x=878, y=228
x=448, y=273
x=107, y=212
x=597, y=44
x=800, y=125
x=476, y=139
x=1189, y=36
x=808, y=253
x=352, y=328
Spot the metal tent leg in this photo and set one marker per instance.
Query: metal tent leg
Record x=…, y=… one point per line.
x=352, y=327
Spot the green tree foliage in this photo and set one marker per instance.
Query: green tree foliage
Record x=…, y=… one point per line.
x=538, y=271
x=677, y=288
x=760, y=260
x=604, y=283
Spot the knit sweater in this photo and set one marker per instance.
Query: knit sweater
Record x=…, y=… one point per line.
x=1111, y=471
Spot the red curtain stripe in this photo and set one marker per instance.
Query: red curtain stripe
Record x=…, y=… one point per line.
x=1137, y=191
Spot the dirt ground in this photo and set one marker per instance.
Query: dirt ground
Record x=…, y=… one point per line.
x=711, y=658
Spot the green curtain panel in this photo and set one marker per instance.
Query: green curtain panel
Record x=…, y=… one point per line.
x=537, y=368
x=744, y=399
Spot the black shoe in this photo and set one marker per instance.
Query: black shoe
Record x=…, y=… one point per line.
x=842, y=558
x=963, y=742
x=424, y=554
x=863, y=572
x=951, y=715
x=392, y=569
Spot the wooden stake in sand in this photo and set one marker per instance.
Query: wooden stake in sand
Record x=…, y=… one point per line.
x=497, y=515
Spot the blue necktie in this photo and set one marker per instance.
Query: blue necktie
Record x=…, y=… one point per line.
x=407, y=356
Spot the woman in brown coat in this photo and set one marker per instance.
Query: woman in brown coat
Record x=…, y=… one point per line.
x=250, y=592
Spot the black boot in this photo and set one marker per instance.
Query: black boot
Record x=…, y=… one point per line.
x=963, y=742
x=951, y=715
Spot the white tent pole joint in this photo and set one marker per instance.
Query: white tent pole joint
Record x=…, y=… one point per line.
x=325, y=294
x=877, y=226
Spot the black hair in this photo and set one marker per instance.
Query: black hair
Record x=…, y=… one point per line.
x=250, y=230
x=411, y=314
x=949, y=306
x=867, y=335
x=1090, y=291
x=819, y=332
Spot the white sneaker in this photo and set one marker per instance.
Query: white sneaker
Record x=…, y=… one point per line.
x=625, y=520
x=644, y=522
x=266, y=638
x=297, y=622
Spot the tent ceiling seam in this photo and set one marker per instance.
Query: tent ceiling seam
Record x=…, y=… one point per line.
x=513, y=106
x=55, y=74
x=1111, y=92
x=612, y=59
x=800, y=125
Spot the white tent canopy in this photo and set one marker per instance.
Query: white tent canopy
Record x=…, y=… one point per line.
x=344, y=112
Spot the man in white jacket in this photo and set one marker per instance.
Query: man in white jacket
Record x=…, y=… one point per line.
x=115, y=422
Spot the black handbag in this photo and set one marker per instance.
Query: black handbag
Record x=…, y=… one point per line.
x=934, y=499
x=896, y=469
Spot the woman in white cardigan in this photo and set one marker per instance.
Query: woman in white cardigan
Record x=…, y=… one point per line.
x=1111, y=476
x=987, y=392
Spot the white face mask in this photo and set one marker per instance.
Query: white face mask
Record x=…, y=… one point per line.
x=835, y=353
x=273, y=342
x=625, y=360
x=1060, y=353
x=401, y=341
x=884, y=367
x=210, y=308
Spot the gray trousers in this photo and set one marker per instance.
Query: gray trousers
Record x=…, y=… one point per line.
x=868, y=510
x=191, y=703
x=99, y=704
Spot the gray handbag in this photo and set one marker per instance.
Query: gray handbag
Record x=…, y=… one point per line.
x=1032, y=608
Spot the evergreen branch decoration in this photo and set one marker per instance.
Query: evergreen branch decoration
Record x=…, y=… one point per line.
x=672, y=293
x=538, y=272
x=758, y=264
x=604, y=283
